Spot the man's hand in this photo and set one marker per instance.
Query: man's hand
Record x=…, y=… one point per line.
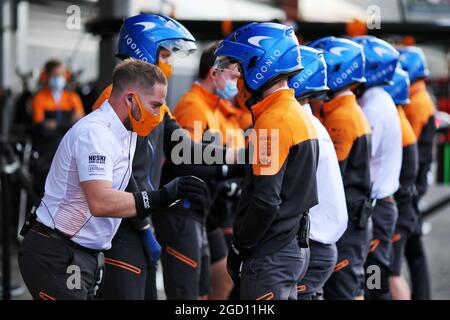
x=194, y=195
x=151, y=245
x=190, y=189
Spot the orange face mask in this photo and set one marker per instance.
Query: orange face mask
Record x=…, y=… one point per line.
x=243, y=94
x=165, y=68
x=147, y=122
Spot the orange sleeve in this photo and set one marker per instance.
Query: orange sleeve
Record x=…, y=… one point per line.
x=413, y=117
x=419, y=111
x=270, y=141
x=408, y=136
x=188, y=115
x=417, y=127
x=104, y=96
x=38, y=109
x=276, y=133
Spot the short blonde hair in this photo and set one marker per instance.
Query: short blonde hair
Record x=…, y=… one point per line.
x=137, y=73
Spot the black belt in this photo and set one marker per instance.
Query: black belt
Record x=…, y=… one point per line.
x=56, y=234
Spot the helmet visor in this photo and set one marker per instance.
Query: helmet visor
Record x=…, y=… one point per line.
x=226, y=63
x=179, y=47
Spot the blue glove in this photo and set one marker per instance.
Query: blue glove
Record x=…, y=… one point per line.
x=152, y=245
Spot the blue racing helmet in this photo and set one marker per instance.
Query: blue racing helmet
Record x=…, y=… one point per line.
x=345, y=61
x=381, y=60
x=313, y=78
x=142, y=36
x=264, y=51
x=399, y=88
x=413, y=61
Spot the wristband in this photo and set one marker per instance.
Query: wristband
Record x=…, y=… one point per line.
x=142, y=201
x=146, y=202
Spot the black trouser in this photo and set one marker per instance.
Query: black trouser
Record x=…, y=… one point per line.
x=54, y=270
x=128, y=270
x=417, y=261
x=184, y=256
x=348, y=278
x=322, y=260
x=404, y=229
x=418, y=268
x=384, y=220
x=399, y=240
x=151, y=291
x=274, y=276
x=217, y=245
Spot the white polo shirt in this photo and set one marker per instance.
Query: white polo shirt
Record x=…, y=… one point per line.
x=329, y=217
x=97, y=147
x=387, y=152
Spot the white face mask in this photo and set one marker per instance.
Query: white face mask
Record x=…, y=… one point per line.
x=57, y=83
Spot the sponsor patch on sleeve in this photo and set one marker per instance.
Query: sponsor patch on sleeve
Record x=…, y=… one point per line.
x=96, y=165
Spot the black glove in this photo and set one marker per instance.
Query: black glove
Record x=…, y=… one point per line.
x=234, y=263
x=190, y=188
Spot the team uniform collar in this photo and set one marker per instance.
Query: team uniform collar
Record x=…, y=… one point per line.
x=114, y=123
x=338, y=101
x=270, y=100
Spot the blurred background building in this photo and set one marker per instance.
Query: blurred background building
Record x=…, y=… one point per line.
x=32, y=31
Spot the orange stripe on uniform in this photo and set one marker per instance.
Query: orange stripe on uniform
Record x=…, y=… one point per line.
x=301, y=288
x=396, y=237
x=228, y=230
x=45, y=296
x=181, y=257
x=374, y=245
x=123, y=265
x=267, y=296
x=341, y=265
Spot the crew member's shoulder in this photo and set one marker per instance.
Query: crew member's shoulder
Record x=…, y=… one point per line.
x=191, y=102
x=95, y=123
x=290, y=119
x=43, y=94
x=423, y=103
x=350, y=119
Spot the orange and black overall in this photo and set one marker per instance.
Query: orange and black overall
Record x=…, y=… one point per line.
x=279, y=188
x=421, y=115
x=350, y=132
x=404, y=197
x=46, y=139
